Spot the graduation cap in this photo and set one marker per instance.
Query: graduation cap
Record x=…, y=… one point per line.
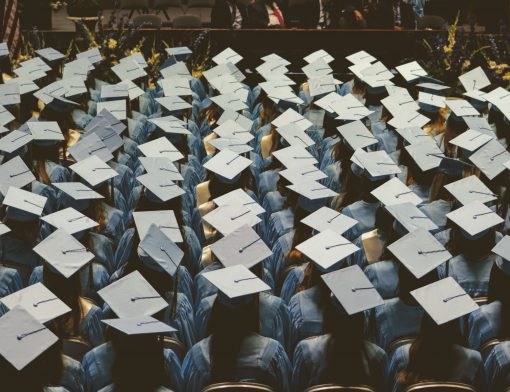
x=227, y=56
x=326, y=218
x=38, y=301
x=45, y=130
x=229, y=101
x=419, y=252
x=357, y=135
x=14, y=141
x=137, y=57
x=361, y=57
x=14, y=173
x=409, y=119
x=5, y=116
x=302, y=174
x=461, y=107
x=474, y=219
x=431, y=103
x=163, y=165
x=88, y=146
x=471, y=140
x=444, y=300
x=10, y=94
x=395, y=191
x=176, y=86
x=320, y=54
x=74, y=86
x=142, y=325
x=347, y=108
x=50, y=54
x=502, y=249
x=408, y=218
x=322, y=85
x=234, y=145
x=93, y=55
x=426, y=155
x=117, y=108
x=317, y=69
x=228, y=218
x=76, y=195
x=500, y=98
x=231, y=129
x=179, y=51
x=240, y=197
x=294, y=157
x=158, y=252
x=178, y=69
x=312, y=190
x=378, y=164
x=70, y=220
x=236, y=281
x=161, y=147
x=295, y=136
x=173, y=103
x=227, y=164
x=128, y=70
x=470, y=189
x=290, y=116
x=159, y=185
x=353, y=290
x=475, y=79
x=411, y=71
x=119, y=90
x=414, y=135
x=171, y=124
x=23, y=338
x=241, y=246
x=327, y=249
x=165, y=220
x=490, y=158
x=132, y=296
x=25, y=205
x=228, y=114
x=93, y=170
x=106, y=117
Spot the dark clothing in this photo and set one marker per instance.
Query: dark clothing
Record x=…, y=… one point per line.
x=258, y=17
x=308, y=14
x=383, y=16
x=222, y=17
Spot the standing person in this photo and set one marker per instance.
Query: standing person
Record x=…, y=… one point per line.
x=228, y=14
x=267, y=14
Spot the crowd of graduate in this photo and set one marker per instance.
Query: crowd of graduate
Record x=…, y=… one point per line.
x=202, y=230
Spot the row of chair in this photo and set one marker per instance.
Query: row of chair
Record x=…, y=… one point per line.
x=163, y=6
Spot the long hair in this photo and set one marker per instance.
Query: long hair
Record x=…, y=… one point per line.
x=38, y=157
x=473, y=249
x=407, y=282
x=431, y=355
x=139, y=363
x=499, y=284
x=228, y=327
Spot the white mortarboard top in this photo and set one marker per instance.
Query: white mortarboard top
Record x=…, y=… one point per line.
x=228, y=218
x=23, y=338
x=290, y=116
x=108, y=137
x=361, y=57
x=132, y=296
x=379, y=163
x=474, y=218
x=5, y=116
x=317, y=69
x=326, y=218
x=295, y=157
x=432, y=99
x=228, y=84
x=351, y=287
x=319, y=54
x=490, y=158
x=161, y=147
x=411, y=217
x=327, y=248
x=14, y=173
x=502, y=249
x=414, y=135
x=171, y=124
x=137, y=57
x=227, y=56
x=409, y=119
x=179, y=51
x=294, y=136
x=77, y=190
x=37, y=300
x=395, y=191
x=461, y=107
x=30, y=71
x=93, y=55
x=245, y=122
x=128, y=70
x=159, y=184
x=444, y=300
x=232, y=129
x=426, y=155
x=396, y=90
x=420, y=252
x=357, y=68
x=238, y=196
x=377, y=75
x=25, y=85
x=14, y=140
x=133, y=90
x=236, y=281
x=119, y=90
x=178, y=69
x=234, y=145
x=90, y=145
x=25, y=201
x=164, y=219
x=400, y=103
x=10, y=94
x=357, y=135
x=64, y=252
x=469, y=189
x=322, y=85
x=117, y=108
x=229, y=101
x=49, y=92
x=176, y=86
x=227, y=164
x=50, y=54
x=312, y=190
x=74, y=86
x=476, y=95
x=4, y=49
x=173, y=103
x=432, y=86
x=70, y=220
x=93, y=170
x=349, y=108
x=77, y=68
x=106, y=116
x=411, y=71
x=4, y=229
x=500, y=97
x=241, y=246
x=144, y=325
x=471, y=140
x=163, y=253
x=474, y=79
x=45, y=130
x=327, y=102
x=154, y=165
x=273, y=57
x=302, y=174
x=273, y=70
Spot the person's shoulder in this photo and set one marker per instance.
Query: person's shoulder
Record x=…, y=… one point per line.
x=468, y=356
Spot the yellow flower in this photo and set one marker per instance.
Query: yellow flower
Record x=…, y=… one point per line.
x=466, y=64
x=112, y=44
x=447, y=49
x=492, y=64
x=506, y=76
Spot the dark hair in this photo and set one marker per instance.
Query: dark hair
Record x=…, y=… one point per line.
x=218, y=188
x=499, y=284
x=228, y=327
x=473, y=249
x=407, y=282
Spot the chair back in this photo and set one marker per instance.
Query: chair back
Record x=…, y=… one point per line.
x=339, y=388
x=237, y=387
x=134, y=4
x=150, y=21
x=200, y=3
x=399, y=342
x=432, y=22
x=187, y=22
x=75, y=348
x=176, y=346
x=163, y=4
x=440, y=387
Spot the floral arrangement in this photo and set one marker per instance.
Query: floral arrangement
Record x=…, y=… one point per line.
x=57, y=5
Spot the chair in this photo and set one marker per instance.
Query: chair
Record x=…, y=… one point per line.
x=187, y=22
x=200, y=3
x=237, y=387
x=176, y=346
x=432, y=22
x=164, y=5
x=481, y=300
x=440, y=387
x=398, y=343
x=142, y=6
x=75, y=348
x=486, y=348
x=339, y=388
x=150, y=21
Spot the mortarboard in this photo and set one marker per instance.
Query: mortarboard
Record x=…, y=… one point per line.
x=163, y=165
x=227, y=56
x=165, y=220
x=227, y=164
x=426, y=155
x=88, y=146
x=408, y=218
x=117, y=108
x=326, y=218
x=70, y=220
x=143, y=325
x=24, y=201
x=490, y=158
x=411, y=71
x=14, y=173
x=302, y=174
x=474, y=218
x=395, y=191
x=471, y=140
x=128, y=70
x=228, y=218
x=93, y=170
x=160, y=186
x=236, y=281
x=238, y=196
x=160, y=253
x=469, y=189
x=357, y=135
x=161, y=147
x=312, y=190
